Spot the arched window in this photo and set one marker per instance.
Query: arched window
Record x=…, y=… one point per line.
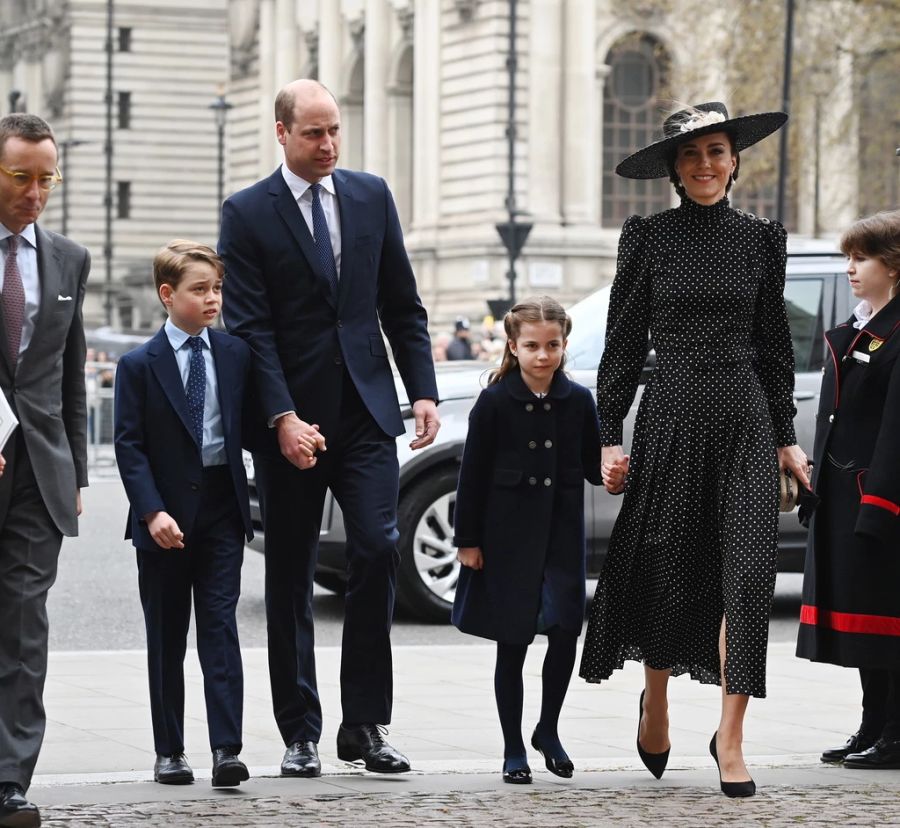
x=633, y=104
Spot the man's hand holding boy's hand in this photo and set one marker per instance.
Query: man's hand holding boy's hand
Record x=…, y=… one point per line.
x=299, y=441
x=164, y=530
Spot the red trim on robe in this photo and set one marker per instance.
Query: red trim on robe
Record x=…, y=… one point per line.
x=850, y=622
x=882, y=503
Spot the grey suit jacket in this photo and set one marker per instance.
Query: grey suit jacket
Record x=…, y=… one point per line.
x=47, y=390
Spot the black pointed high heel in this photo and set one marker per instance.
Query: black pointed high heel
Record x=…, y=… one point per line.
x=732, y=789
x=560, y=767
x=654, y=762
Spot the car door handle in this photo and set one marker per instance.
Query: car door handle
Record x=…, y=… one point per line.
x=804, y=395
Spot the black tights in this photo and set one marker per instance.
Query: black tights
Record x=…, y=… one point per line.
x=558, y=665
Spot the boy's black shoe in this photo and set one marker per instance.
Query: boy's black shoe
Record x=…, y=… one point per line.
x=228, y=771
x=366, y=742
x=15, y=810
x=301, y=759
x=172, y=770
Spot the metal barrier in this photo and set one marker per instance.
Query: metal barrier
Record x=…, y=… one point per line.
x=99, y=380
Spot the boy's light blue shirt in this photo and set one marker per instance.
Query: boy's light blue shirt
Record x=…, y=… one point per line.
x=213, y=451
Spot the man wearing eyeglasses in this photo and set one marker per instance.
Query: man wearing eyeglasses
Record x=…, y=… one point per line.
x=42, y=375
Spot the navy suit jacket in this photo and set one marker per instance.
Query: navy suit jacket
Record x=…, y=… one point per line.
x=156, y=449
x=303, y=338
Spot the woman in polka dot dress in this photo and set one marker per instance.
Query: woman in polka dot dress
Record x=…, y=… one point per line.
x=688, y=581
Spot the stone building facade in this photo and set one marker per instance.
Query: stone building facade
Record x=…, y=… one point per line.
x=169, y=59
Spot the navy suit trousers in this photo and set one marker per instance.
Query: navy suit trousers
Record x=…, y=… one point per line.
x=209, y=569
x=361, y=469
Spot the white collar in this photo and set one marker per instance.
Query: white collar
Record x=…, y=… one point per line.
x=178, y=337
x=863, y=313
x=28, y=234
x=298, y=186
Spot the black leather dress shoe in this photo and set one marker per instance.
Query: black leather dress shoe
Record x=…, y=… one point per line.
x=228, y=771
x=557, y=765
x=172, y=770
x=301, y=759
x=15, y=810
x=366, y=742
x=883, y=755
x=516, y=772
x=857, y=743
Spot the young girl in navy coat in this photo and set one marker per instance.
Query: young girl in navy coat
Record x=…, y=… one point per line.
x=533, y=439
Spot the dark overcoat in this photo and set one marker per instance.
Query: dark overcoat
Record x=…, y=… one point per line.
x=851, y=600
x=521, y=500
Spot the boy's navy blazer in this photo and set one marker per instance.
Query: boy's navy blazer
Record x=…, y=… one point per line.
x=303, y=338
x=156, y=450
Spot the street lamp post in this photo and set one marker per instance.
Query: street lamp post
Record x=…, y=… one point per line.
x=220, y=109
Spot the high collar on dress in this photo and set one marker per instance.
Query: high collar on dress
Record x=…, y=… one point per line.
x=704, y=213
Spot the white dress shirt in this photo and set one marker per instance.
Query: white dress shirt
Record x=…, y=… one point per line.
x=26, y=258
x=213, y=451
x=863, y=313
x=299, y=187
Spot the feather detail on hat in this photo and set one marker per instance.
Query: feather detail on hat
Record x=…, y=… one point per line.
x=698, y=119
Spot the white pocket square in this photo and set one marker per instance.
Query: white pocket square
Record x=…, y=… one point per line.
x=61, y=298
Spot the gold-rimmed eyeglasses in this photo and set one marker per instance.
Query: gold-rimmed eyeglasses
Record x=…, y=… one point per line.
x=21, y=180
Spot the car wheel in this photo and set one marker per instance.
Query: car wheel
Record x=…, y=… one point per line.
x=331, y=581
x=426, y=580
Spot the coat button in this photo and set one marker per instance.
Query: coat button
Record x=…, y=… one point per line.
x=195, y=487
x=547, y=481
x=532, y=481
x=529, y=407
x=546, y=406
x=548, y=443
x=831, y=418
x=532, y=444
x=338, y=361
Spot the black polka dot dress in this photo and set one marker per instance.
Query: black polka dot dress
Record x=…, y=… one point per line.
x=697, y=534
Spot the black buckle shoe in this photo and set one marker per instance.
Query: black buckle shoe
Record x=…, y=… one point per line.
x=557, y=765
x=366, y=742
x=301, y=759
x=15, y=810
x=172, y=770
x=228, y=771
x=516, y=773
x=857, y=743
x=883, y=755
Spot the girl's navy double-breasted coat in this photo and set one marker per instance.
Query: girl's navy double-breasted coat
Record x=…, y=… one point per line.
x=851, y=585
x=521, y=500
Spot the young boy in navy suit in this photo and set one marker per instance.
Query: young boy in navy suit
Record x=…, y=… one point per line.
x=178, y=446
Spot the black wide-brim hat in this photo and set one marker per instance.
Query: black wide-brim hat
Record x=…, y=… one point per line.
x=702, y=119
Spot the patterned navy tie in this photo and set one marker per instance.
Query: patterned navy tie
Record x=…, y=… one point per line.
x=196, y=386
x=13, y=301
x=322, y=239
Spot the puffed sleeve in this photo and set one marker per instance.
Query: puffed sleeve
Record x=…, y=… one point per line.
x=772, y=336
x=879, y=508
x=475, y=474
x=627, y=330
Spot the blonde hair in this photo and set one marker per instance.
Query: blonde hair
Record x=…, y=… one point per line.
x=531, y=310
x=171, y=261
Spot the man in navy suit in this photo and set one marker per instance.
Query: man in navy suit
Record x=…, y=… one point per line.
x=178, y=427
x=316, y=269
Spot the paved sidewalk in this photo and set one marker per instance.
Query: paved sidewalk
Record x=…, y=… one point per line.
x=95, y=768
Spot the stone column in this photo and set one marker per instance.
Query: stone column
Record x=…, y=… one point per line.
x=545, y=133
x=580, y=146
x=377, y=52
x=426, y=114
x=269, y=154
x=286, y=36
x=330, y=45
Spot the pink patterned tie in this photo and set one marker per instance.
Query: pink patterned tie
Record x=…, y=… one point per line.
x=12, y=301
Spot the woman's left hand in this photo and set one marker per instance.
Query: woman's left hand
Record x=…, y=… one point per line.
x=795, y=459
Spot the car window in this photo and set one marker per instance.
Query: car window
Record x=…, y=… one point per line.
x=588, y=330
x=803, y=300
